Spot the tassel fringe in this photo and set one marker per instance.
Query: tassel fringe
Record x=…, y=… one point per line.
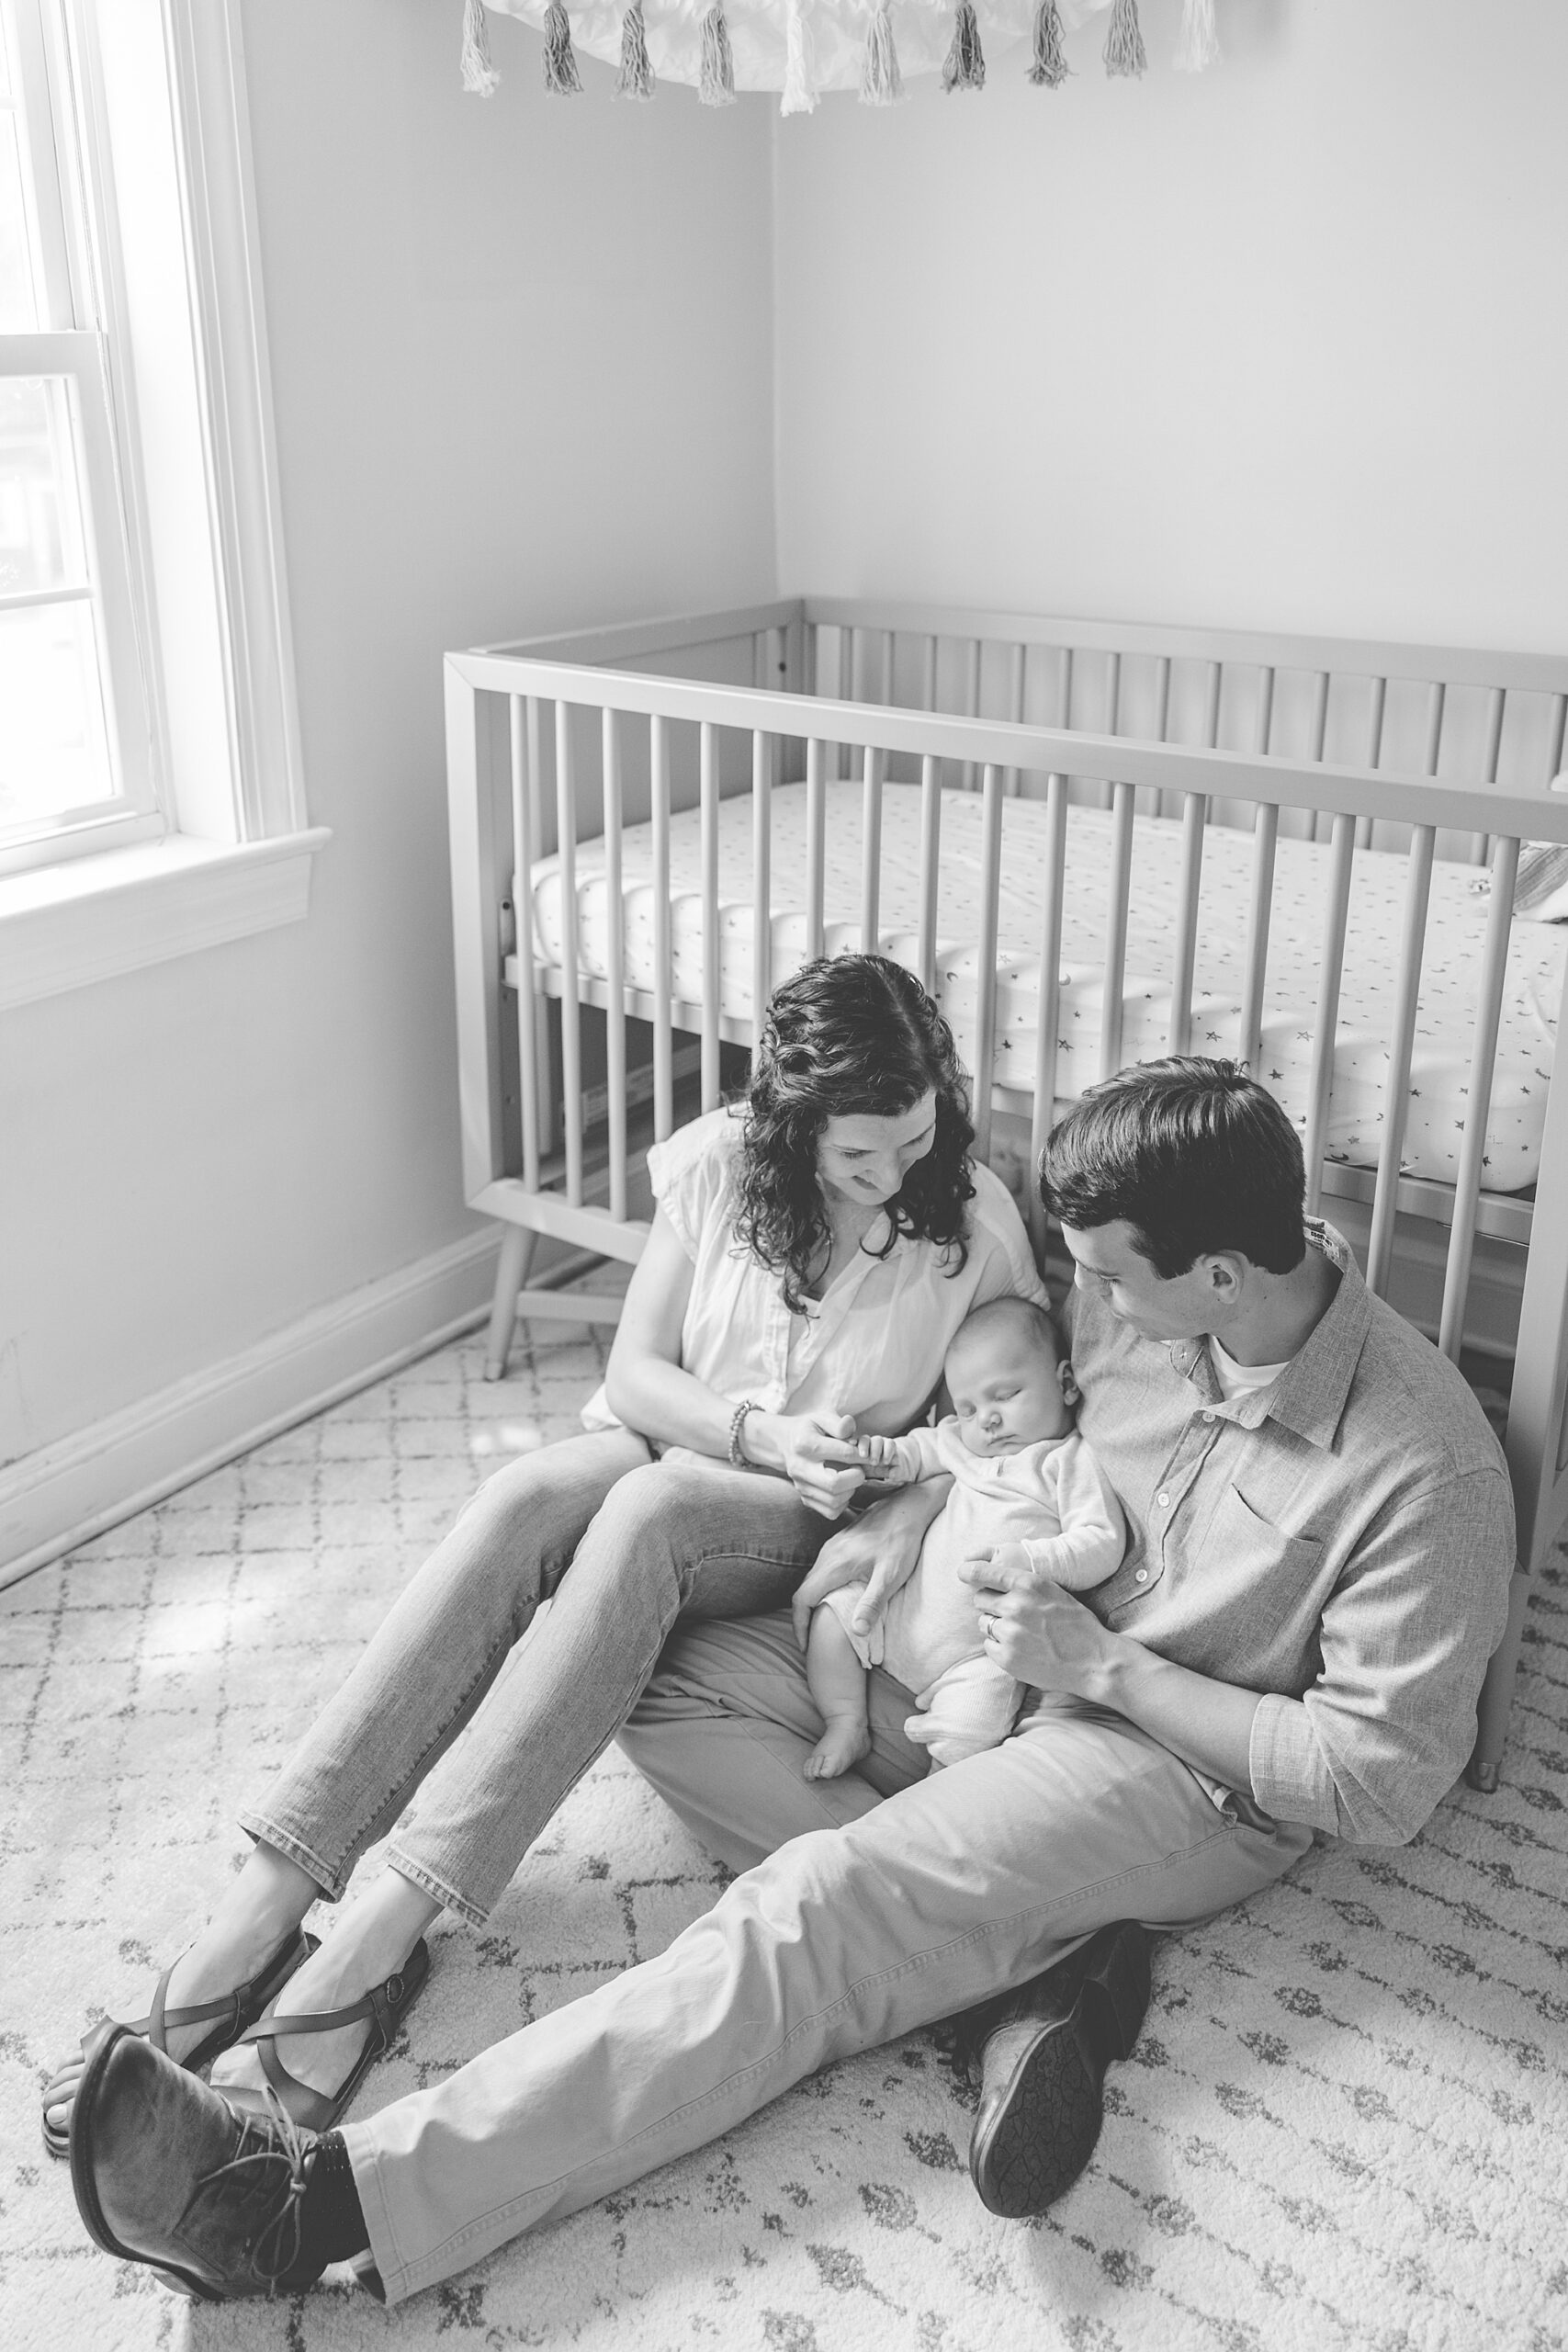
x=799, y=88
x=1125, y=51
x=560, y=59
x=1198, y=45
x=716, y=87
x=965, y=66
x=1050, y=68
x=634, y=79
x=881, y=83
x=478, y=75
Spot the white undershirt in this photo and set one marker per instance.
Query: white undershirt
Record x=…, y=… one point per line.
x=1239, y=1379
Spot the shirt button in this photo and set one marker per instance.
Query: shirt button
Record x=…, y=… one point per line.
x=1162, y=1499
x=1142, y=1576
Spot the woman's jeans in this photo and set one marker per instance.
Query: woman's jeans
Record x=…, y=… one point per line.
x=645, y=1541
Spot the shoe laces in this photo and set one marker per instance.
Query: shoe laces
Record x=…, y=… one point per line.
x=278, y=2140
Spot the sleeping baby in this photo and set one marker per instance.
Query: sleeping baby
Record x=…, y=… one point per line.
x=1021, y=1475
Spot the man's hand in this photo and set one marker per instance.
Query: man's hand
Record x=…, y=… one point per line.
x=879, y=1549
x=1033, y=1630
x=1042, y=1635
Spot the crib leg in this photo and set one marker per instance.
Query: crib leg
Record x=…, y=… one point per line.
x=1498, y=1691
x=516, y=1250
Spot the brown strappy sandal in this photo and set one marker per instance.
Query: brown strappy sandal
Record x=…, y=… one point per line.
x=384, y=2009
x=230, y=2014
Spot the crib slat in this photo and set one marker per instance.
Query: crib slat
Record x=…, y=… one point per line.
x=1330, y=972
x=663, y=1040
x=1402, y=1038
x=1478, y=1103
x=1264, y=835
x=928, y=675
x=707, y=775
x=614, y=963
x=1374, y=753
x=1111, y=1018
x=1158, y=800
x=971, y=700
x=871, y=850
x=1113, y=717
x=570, y=1007
x=1481, y=843
x=930, y=871
x=889, y=665
x=1192, y=811
x=761, y=879
x=525, y=850
x=848, y=692
x=1559, y=722
x=986, y=970
x=816, y=847
x=1015, y=710
x=1211, y=705
x=1048, y=1006
x=1319, y=733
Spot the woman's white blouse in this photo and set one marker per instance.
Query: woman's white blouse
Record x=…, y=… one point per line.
x=871, y=1346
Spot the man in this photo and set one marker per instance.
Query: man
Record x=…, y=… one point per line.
x=1321, y=1538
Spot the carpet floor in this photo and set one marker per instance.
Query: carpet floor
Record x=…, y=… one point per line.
x=1344, y=2125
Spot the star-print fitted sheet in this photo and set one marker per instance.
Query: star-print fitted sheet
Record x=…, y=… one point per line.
x=1450, y=970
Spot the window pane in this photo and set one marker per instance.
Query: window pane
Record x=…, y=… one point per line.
x=19, y=308
x=40, y=515
x=53, y=744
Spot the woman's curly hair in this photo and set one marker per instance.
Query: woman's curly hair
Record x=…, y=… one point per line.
x=848, y=1037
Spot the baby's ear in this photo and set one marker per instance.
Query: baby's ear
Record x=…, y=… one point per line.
x=1071, y=1393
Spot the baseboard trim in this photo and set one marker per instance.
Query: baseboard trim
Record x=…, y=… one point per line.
x=66, y=1493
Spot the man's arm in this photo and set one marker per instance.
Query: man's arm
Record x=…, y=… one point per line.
x=1384, y=1731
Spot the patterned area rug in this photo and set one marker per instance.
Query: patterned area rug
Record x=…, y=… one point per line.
x=1344, y=2125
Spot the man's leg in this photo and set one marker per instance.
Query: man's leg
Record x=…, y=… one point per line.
x=897, y=1914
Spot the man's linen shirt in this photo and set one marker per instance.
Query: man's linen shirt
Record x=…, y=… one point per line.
x=1341, y=1542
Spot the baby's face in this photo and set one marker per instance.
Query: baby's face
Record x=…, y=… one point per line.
x=1007, y=1389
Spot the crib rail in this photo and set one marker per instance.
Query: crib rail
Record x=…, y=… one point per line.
x=551, y=745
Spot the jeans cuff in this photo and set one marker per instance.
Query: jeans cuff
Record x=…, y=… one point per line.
x=476, y=1914
x=331, y=1882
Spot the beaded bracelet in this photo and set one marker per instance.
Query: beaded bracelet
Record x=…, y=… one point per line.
x=736, y=1423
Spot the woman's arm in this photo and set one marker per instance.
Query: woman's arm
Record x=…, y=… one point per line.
x=881, y=1548
x=650, y=1391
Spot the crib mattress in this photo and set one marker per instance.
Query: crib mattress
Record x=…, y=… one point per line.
x=1450, y=970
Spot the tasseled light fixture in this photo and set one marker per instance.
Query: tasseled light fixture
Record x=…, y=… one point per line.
x=804, y=49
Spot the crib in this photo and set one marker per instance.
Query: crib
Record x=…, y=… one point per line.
x=1095, y=842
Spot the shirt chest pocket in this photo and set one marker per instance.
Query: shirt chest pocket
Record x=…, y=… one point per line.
x=1258, y=1564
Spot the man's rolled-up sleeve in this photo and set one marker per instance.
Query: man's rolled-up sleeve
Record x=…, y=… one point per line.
x=1388, y=1726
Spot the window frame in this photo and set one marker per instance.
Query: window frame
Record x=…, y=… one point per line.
x=221, y=723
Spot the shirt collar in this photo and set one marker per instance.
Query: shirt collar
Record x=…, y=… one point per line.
x=1309, y=1396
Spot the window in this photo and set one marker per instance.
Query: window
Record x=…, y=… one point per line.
x=150, y=788
x=75, y=767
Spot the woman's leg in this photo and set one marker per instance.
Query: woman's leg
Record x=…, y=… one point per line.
x=421, y=1678
x=667, y=1539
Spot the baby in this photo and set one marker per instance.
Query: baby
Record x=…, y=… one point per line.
x=1023, y=1474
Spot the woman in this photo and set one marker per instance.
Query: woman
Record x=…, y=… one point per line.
x=808, y=1263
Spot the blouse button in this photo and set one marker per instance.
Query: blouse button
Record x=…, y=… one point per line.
x=1142, y=1576
x=1162, y=1499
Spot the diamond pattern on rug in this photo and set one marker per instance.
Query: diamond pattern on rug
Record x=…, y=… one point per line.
x=1342, y=2127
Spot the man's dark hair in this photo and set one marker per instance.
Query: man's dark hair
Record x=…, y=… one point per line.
x=1194, y=1155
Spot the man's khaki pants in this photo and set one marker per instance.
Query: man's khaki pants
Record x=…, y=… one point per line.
x=867, y=1907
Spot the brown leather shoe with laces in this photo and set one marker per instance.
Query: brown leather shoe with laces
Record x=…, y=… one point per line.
x=1043, y=2064
x=167, y=2173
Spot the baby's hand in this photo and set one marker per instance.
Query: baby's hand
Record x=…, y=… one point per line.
x=880, y=1450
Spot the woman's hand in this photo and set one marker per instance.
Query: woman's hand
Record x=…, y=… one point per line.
x=815, y=1452
x=1033, y=1630
x=879, y=1550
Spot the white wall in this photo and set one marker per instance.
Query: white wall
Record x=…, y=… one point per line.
x=1284, y=345
x=522, y=363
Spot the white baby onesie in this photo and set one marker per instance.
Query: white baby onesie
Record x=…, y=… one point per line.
x=1051, y=1497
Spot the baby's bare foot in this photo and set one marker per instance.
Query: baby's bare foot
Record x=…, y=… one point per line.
x=845, y=1741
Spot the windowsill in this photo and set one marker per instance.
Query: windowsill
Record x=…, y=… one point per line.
x=65, y=926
